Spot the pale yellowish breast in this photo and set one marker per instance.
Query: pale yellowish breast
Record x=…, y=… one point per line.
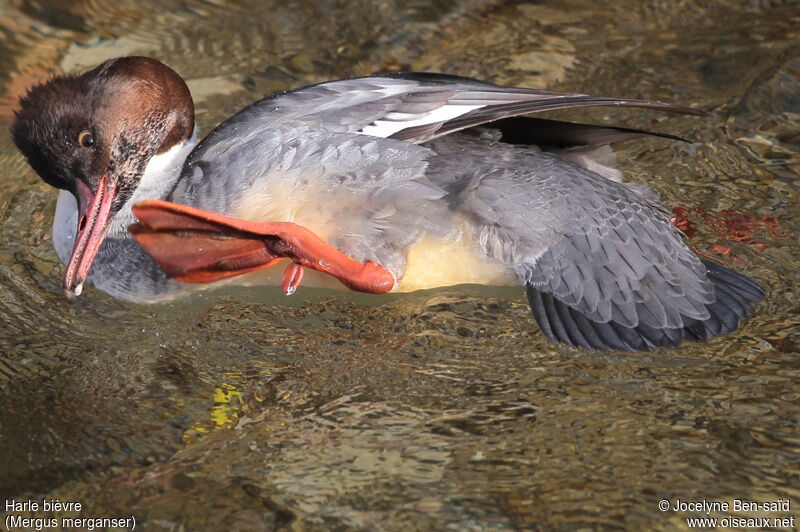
x=434, y=262
x=431, y=262
x=304, y=205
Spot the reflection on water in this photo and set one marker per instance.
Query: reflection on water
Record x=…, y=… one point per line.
x=444, y=409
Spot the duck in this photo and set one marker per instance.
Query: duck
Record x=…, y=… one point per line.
x=396, y=182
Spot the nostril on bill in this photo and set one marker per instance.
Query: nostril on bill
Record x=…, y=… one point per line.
x=82, y=223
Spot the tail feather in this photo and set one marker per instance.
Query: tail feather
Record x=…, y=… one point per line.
x=734, y=293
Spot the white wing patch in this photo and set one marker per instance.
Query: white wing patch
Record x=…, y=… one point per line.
x=397, y=121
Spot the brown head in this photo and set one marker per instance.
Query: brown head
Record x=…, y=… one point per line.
x=93, y=136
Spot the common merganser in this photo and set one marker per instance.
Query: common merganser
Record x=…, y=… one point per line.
x=402, y=182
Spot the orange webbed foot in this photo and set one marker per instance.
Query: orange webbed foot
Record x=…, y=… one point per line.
x=197, y=246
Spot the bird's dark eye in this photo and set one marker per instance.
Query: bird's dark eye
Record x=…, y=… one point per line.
x=85, y=138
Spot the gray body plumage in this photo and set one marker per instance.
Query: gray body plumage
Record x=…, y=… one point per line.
x=386, y=162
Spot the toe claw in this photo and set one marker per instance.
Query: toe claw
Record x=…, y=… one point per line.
x=291, y=278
